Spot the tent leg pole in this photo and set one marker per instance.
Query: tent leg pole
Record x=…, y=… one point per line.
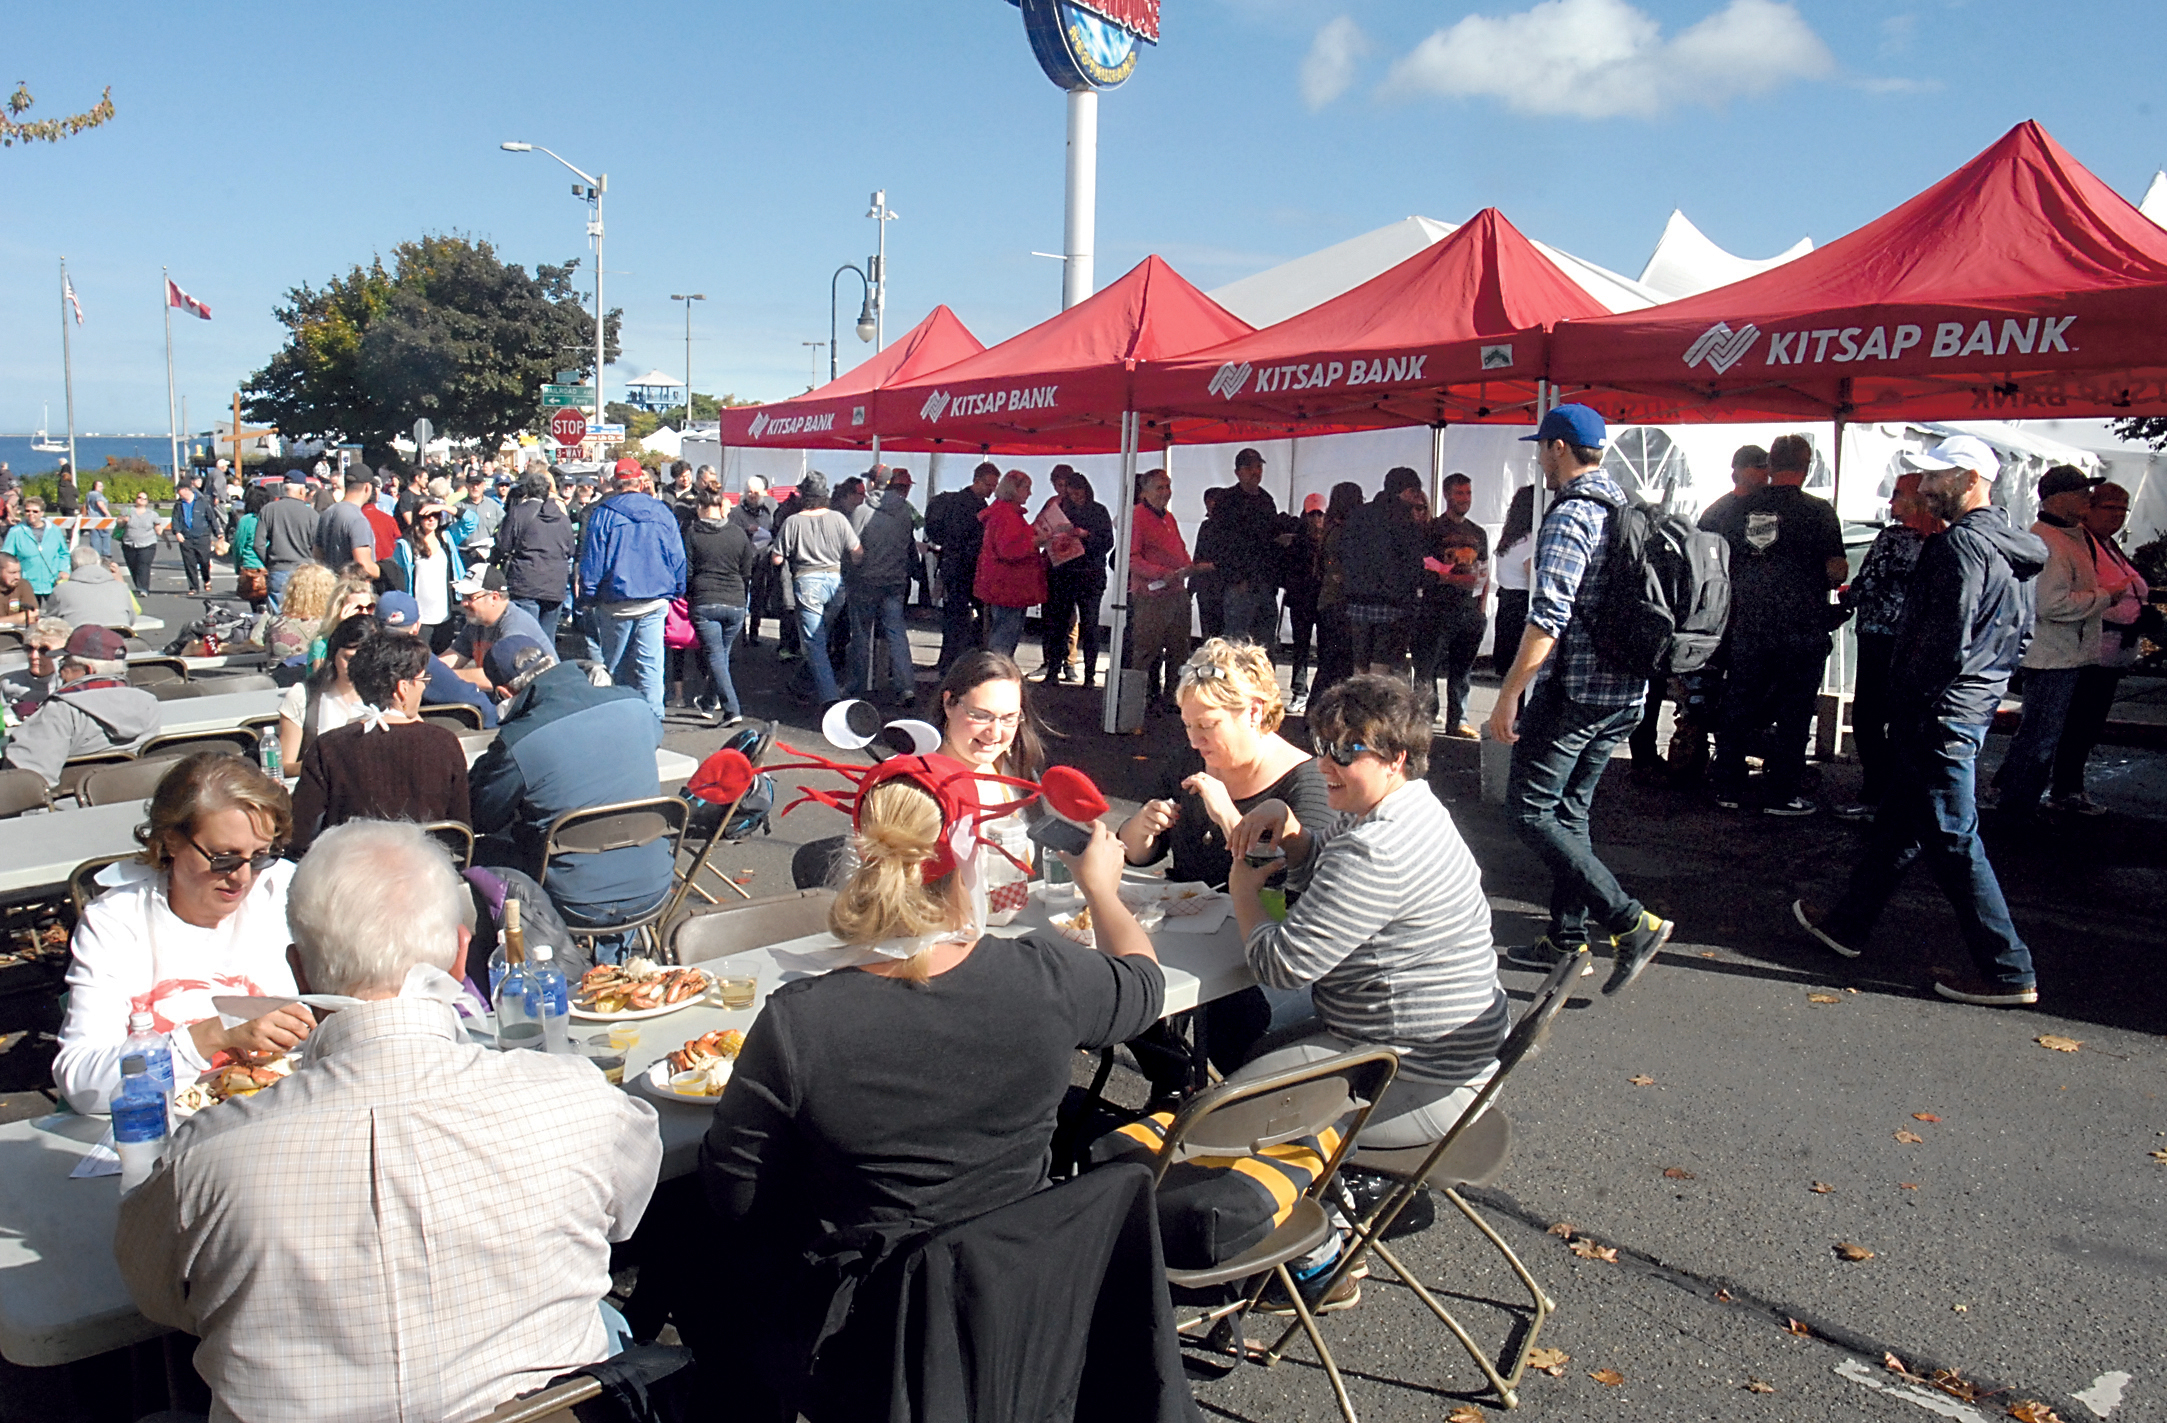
x=1110, y=703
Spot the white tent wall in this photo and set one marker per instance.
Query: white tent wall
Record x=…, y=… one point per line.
x=1686, y=262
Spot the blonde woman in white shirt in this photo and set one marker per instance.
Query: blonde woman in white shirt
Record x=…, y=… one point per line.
x=200, y=913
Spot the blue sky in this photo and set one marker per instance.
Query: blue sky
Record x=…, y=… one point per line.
x=260, y=146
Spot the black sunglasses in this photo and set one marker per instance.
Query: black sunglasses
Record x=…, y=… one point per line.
x=1340, y=753
x=227, y=863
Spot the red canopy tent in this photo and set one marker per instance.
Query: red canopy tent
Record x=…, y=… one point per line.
x=1065, y=383
x=2020, y=285
x=1453, y=334
x=838, y=414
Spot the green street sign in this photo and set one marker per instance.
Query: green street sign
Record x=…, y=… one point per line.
x=558, y=396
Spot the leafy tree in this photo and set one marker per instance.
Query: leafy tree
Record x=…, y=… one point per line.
x=450, y=333
x=638, y=423
x=2144, y=430
x=14, y=128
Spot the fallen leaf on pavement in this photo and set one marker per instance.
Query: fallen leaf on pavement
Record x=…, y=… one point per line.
x=1822, y=998
x=1908, y=1185
x=2058, y=1043
x=1909, y=1138
x=1961, y=1308
x=1953, y=1383
x=1587, y=1249
x=1794, y=1327
x=1608, y=1378
x=1708, y=953
x=1549, y=1361
x=1893, y=1364
x=1723, y=1296
x=1847, y=1251
x=2031, y=1410
x=1677, y=1173
x=1821, y=1188
x=1641, y=1080
x=1563, y=1228
x=2159, y=1156
x=1756, y=1386
x=1850, y=990
x=1924, y=1117
x=1465, y=1413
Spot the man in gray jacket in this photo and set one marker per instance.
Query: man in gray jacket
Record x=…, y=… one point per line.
x=286, y=536
x=879, y=585
x=94, y=709
x=91, y=595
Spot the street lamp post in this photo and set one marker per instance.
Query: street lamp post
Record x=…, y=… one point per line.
x=882, y=215
x=868, y=317
x=592, y=191
x=688, y=300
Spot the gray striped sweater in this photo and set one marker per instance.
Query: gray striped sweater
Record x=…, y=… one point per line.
x=1392, y=937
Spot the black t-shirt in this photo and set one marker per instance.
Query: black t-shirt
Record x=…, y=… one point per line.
x=1447, y=538
x=1781, y=540
x=864, y=1102
x=1200, y=851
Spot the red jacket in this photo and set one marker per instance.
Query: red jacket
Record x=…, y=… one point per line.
x=1011, y=571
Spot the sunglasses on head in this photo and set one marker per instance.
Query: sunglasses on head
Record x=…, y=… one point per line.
x=231, y=860
x=1340, y=753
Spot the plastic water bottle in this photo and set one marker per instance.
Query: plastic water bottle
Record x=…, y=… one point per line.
x=139, y=1123
x=144, y=1041
x=556, y=999
x=519, y=1001
x=268, y=754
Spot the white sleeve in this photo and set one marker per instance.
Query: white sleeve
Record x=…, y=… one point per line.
x=111, y=967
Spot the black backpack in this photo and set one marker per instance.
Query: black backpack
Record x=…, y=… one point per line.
x=1666, y=591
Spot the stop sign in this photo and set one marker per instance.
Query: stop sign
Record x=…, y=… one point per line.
x=568, y=426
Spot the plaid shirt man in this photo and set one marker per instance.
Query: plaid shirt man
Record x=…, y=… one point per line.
x=1570, y=551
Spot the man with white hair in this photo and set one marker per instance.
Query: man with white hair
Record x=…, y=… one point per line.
x=1966, y=618
x=92, y=594
x=93, y=708
x=410, y=1226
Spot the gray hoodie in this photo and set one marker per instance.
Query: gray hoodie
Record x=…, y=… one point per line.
x=94, y=714
x=92, y=595
x=887, y=537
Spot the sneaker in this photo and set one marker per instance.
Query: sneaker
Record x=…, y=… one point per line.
x=1854, y=812
x=2079, y=804
x=1344, y=1295
x=1803, y=913
x=1967, y=988
x=1727, y=800
x=1465, y=731
x=1299, y=705
x=1543, y=956
x=1635, y=947
x=1796, y=806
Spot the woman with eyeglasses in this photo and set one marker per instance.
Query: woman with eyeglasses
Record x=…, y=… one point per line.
x=987, y=725
x=1391, y=935
x=200, y=913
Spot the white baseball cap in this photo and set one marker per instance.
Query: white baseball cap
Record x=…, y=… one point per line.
x=1958, y=452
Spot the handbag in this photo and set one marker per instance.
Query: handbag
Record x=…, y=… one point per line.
x=252, y=583
x=678, y=632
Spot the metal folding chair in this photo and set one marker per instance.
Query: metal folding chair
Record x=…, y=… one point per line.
x=1471, y=1154
x=600, y=829
x=188, y=743
x=752, y=744
x=75, y=768
x=552, y=1405
x=22, y=790
x=728, y=929
x=457, y=837
x=1240, y=1118
x=458, y=716
x=82, y=882
x=151, y=671
x=129, y=780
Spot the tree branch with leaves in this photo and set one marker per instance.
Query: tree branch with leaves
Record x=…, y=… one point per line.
x=14, y=128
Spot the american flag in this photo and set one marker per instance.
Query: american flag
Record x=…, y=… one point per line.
x=67, y=290
x=176, y=297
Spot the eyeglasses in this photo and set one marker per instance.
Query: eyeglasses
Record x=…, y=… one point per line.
x=978, y=717
x=231, y=860
x=1341, y=753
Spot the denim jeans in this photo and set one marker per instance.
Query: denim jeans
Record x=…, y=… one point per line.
x=1930, y=811
x=632, y=651
x=885, y=605
x=815, y=593
x=718, y=625
x=1251, y=611
x=278, y=579
x=1007, y=629
x=1557, y=763
x=547, y=614
x=1775, y=683
x=2048, y=692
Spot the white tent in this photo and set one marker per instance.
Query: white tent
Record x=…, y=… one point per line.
x=1279, y=292
x=665, y=442
x=2154, y=205
x=1686, y=263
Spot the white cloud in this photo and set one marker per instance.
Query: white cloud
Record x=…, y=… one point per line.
x=1896, y=34
x=1606, y=59
x=1329, y=66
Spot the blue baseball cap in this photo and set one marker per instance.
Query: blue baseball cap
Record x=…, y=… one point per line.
x=508, y=657
x=398, y=610
x=1575, y=424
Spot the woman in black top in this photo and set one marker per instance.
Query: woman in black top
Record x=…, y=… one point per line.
x=1075, y=587
x=821, y=1162
x=721, y=563
x=1231, y=708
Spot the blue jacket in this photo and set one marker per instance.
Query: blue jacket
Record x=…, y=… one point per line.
x=630, y=551
x=1967, y=617
x=445, y=685
x=402, y=555
x=566, y=745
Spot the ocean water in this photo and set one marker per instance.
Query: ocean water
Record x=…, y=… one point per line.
x=90, y=451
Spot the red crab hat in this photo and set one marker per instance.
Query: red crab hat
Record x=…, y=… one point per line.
x=953, y=785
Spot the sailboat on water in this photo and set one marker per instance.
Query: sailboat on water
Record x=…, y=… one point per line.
x=45, y=444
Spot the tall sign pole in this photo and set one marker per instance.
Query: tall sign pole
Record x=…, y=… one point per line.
x=173, y=428
x=67, y=360
x=1085, y=46
x=1082, y=190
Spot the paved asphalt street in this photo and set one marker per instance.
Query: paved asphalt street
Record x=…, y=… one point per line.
x=2020, y=1239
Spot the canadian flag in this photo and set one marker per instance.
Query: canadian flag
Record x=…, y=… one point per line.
x=176, y=297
